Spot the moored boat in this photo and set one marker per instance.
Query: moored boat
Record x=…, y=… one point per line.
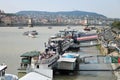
x=34, y=32
x=37, y=60
x=4, y=76
x=31, y=35
x=60, y=44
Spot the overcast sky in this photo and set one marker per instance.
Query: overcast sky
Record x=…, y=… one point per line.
x=109, y=8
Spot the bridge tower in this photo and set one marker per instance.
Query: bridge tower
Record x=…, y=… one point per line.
x=30, y=22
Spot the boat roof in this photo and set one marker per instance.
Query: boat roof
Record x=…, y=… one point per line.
x=68, y=31
x=34, y=76
x=72, y=54
x=31, y=54
x=2, y=67
x=57, y=39
x=66, y=59
x=45, y=72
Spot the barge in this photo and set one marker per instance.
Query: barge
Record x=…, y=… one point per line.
x=59, y=44
x=68, y=62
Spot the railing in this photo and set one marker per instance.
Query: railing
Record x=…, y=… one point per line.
x=66, y=45
x=49, y=60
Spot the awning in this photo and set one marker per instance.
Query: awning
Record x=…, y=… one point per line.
x=87, y=38
x=31, y=54
x=2, y=67
x=25, y=61
x=69, y=56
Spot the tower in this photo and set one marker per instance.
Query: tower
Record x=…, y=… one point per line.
x=30, y=22
x=86, y=21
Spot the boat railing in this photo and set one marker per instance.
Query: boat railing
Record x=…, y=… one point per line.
x=24, y=67
x=67, y=44
x=48, y=60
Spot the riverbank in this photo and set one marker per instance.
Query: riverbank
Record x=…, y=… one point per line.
x=116, y=66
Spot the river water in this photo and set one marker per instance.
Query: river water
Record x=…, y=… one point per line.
x=13, y=43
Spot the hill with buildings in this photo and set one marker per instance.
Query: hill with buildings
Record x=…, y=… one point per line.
x=64, y=17
x=74, y=14
x=40, y=18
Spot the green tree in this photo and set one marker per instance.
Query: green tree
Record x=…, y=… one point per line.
x=116, y=24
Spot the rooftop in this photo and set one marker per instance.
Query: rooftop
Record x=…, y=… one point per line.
x=67, y=59
x=31, y=54
x=34, y=76
x=2, y=67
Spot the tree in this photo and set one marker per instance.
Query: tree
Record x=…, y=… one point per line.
x=116, y=24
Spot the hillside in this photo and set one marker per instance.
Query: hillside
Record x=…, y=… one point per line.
x=62, y=13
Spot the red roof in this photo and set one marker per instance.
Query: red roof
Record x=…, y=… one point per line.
x=87, y=38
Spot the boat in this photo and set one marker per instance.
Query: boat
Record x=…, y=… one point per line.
x=31, y=35
x=38, y=75
x=87, y=37
x=87, y=29
x=68, y=33
x=60, y=44
x=20, y=27
x=48, y=59
x=67, y=63
x=4, y=76
x=34, y=32
x=40, y=61
x=49, y=27
x=36, y=60
x=26, y=33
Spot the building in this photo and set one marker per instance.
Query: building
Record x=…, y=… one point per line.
x=7, y=20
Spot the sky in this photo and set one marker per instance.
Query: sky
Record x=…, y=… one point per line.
x=109, y=8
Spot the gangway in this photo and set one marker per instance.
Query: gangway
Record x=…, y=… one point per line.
x=97, y=60
x=100, y=59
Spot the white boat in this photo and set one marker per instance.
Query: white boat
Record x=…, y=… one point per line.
x=31, y=35
x=4, y=76
x=61, y=44
x=42, y=62
x=37, y=60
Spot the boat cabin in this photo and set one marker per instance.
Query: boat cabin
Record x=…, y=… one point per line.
x=68, y=61
x=29, y=58
x=60, y=44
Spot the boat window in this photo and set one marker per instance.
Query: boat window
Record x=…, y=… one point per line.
x=38, y=66
x=3, y=72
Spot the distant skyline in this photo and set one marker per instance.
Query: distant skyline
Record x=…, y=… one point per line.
x=109, y=8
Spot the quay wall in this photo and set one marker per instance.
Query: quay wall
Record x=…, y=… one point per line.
x=104, y=51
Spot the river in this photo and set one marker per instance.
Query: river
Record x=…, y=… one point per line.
x=13, y=43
